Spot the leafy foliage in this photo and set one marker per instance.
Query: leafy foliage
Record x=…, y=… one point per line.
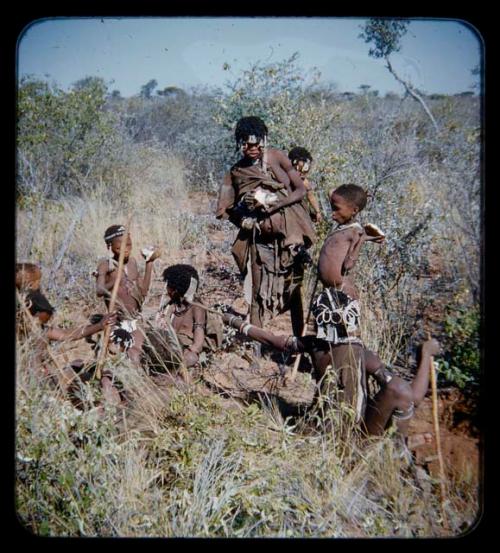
x=461, y=363
x=385, y=34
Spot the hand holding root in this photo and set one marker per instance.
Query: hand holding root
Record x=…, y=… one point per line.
x=373, y=233
x=150, y=253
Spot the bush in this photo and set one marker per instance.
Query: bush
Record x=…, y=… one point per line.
x=461, y=363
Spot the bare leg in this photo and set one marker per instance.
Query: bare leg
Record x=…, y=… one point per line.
x=348, y=361
x=110, y=393
x=397, y=394
x=134, y=353
x=255, y=311
x=420, y=384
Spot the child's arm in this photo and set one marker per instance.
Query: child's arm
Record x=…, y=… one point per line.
x=60, y=334
x=313, y=201
x=199, y=322
x=296, y=183
x=145, y=282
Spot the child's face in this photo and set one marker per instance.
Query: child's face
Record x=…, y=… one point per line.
x=173, y=293
x=342, y=210
x=303, y=167
x=116, y=244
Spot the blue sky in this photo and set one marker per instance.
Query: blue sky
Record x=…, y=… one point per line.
x=436, y=55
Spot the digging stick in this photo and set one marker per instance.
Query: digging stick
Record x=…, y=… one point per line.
x=435, y=417
x=295, y=368
x=114, y=293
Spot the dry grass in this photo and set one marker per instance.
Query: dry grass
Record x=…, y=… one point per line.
x=183, y=462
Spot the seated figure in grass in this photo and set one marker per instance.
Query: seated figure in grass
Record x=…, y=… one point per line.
x=132, y=290
x=186, y=329
x=40, y=311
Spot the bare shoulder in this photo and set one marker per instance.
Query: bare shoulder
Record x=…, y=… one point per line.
x=198, y=313
x=277, y=155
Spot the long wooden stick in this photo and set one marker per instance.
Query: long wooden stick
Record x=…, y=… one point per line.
x=114, y=293
x=295, y=368
x=435, y=417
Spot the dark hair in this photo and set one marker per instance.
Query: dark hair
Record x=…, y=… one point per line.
x=353, y=193
x=299, y=154
x=113, y=232
x=36, y=302
x=247, y=126
x=179, y=277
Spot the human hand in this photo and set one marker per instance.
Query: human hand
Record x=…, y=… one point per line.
x=373, y=233
x=248, y=223
x=150, y=253
x=431, y=347
x=109, y=319
x=317, y=217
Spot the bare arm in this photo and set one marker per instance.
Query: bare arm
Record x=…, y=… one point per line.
x=61, y=335
x=296, y=183
x=226, y=198
x=145, y=282
x=312, y=199
x=199, y=321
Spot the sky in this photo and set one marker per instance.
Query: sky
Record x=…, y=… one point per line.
x=436, y=56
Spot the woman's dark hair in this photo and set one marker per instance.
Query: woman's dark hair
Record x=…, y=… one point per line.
x=248, y=126
x=299, y=154
x=36, y=302
x=179, y=277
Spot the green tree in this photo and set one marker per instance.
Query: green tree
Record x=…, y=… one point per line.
x=385, y=37
x=62, y=136
x=147, y=89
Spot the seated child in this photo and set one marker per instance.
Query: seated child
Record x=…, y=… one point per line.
x=132, y=289
x=120, y=342
x=301, y=159
x=41, y=311
x=188, y=321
